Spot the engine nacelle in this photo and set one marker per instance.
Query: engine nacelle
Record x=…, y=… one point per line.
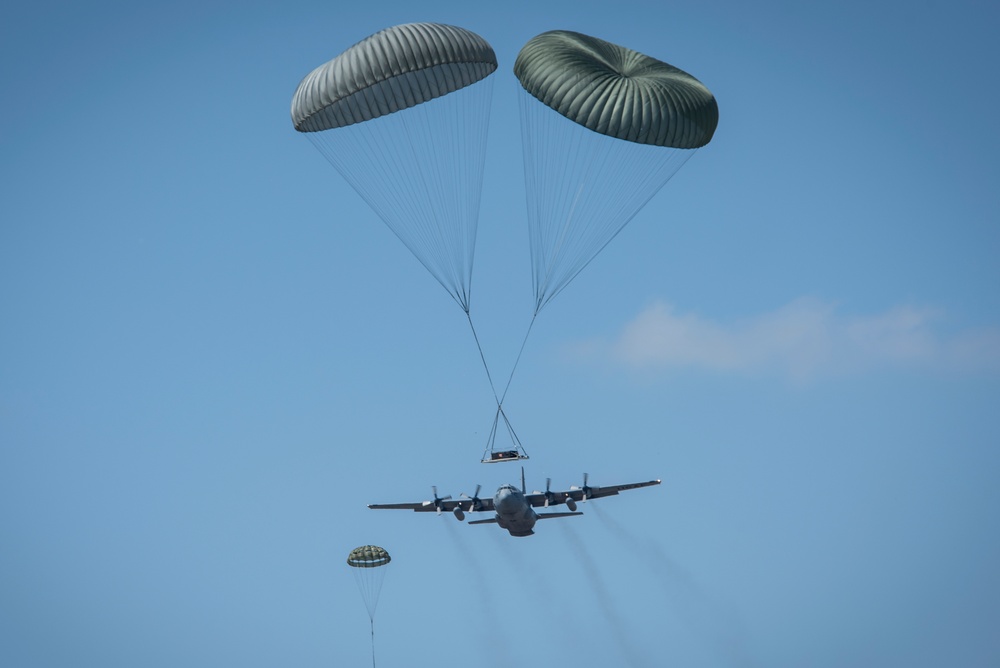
x=571, y=504
x=459, y=515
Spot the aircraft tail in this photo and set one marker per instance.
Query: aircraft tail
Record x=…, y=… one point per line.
x=492, y=520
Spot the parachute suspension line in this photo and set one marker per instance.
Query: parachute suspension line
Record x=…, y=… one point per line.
x=582, y=189
x=483, y=358
x=434, y=236
x=516, y=361
x=455, y=162
x=548, y=222
x=371, y=157
x=491, y=439
x=492, y=436
x=421, y=171
x=510, y=432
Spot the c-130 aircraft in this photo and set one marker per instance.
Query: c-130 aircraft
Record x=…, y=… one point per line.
x=513, y=506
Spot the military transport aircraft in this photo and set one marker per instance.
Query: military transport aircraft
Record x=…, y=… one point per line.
x=513, y=506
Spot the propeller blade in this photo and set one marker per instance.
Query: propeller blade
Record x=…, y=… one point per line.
x=438, y=499
x=474, y=501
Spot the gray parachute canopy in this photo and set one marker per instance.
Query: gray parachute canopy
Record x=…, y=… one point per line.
x=403, y=116
x=616, y=91
x=394, y=69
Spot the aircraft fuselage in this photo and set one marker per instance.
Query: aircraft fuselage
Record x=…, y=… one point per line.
x=513, y=512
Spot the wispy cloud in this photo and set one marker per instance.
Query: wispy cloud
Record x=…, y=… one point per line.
x=804, y=339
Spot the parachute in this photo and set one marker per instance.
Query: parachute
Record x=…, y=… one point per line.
x=603, y=128
x=403, y=116
x=368, y=563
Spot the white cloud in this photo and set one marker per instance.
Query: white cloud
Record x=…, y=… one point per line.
x=804, y=339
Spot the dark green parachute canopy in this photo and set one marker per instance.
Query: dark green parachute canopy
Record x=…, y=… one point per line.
x=368, y=556
x=367, y=564
x=603, y=128
x=397, y=68
x=616, y=91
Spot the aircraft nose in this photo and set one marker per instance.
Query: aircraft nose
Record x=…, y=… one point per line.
x=504, y=501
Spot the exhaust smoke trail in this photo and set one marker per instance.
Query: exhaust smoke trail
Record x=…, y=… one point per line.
x=499, y=653
x=692, y=603
x=607, y=606
x=530, y=574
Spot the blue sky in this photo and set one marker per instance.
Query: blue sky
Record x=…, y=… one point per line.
x=213, y=355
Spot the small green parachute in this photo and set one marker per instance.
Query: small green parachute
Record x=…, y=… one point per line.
x=368, y=565
x=368, y=556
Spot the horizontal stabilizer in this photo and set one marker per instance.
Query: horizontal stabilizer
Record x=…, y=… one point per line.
x=548, y=516
x=492, y=520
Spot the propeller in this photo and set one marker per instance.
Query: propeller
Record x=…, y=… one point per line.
x=437, y=500
x=549, y=496
x=585, y=489
x=475, y=503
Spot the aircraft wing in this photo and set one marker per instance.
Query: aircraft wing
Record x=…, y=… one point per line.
x=446, y=505
x=577, y=493
x=420, y=507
